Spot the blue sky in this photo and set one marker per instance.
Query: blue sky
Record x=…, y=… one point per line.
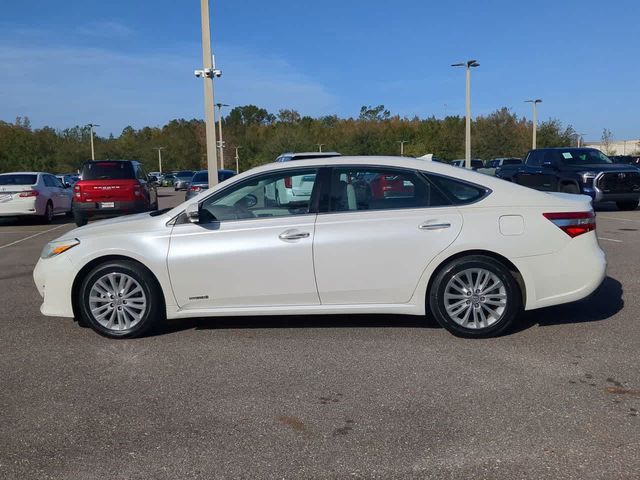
x=121, y=63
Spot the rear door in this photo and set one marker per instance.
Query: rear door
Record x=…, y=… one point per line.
x=370, y=249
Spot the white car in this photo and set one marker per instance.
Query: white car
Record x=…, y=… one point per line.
x=468, y=249
x=29, y=194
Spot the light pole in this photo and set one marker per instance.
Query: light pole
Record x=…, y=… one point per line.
x=579, y=138
x=534, y=103
x=91, y=125
x=238, y=159
x=220, y=141
x=320, y=145
x=207, y=73
x=402, y=142
x=159, y=149
x=467, y=132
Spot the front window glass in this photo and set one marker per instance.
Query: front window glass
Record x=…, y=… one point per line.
x=370, y=188
x=271, y=195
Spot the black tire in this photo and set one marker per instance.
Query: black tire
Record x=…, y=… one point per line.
x=47, y=218
x=570, y=188
x=80, y=219
x=627, y=205
x=153, y=314
x=510, y=312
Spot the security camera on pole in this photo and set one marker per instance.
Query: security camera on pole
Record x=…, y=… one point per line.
x=207, y=73
x=467, y=132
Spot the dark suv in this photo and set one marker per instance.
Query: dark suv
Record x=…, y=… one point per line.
x=109, y=188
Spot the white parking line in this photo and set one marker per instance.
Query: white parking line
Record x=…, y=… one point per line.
x=32, y=236
x=610, y=239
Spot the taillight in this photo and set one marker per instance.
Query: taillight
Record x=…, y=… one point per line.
x=29, y=193
x=137, y=190
x=287, y=182
x=195, y=188
x=573, y=223
x=76, y=191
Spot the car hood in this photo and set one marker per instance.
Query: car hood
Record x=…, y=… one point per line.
x=125, y=224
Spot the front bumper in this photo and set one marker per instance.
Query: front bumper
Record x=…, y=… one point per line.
x=54, y=279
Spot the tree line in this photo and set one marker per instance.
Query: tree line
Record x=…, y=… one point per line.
x=262, y=136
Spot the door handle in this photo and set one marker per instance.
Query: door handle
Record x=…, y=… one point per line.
x=433, y=226
x=293, y=235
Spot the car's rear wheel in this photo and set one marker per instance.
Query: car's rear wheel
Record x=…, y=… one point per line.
x=48, y=213
x=628, y=205
x=80, y=219
x=475, y=297
x=120, y=299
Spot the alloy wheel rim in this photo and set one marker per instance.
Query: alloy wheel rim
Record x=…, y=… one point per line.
x=475, y=298
x=117, y=301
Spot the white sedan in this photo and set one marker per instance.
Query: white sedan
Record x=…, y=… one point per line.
x=33, y=194
x=470, y=250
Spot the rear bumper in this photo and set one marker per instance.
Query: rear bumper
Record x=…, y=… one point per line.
x=571, y=274
x=23, y=207
x=93, y=209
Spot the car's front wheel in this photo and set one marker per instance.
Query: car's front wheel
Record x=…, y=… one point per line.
x=475, y=297
x=120, y=299
x=627, y=205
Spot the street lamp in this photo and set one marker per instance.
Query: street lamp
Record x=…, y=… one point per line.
x=534, y=103
x=159, y=149
x=238, y=159
x=579, y=138
x=220, y=141
x=402, y=142
x=320, y=145
x=91, y=125
x=467, y=133
x=207, y=73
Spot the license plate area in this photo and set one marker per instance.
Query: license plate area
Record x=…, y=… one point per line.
x=107, y=204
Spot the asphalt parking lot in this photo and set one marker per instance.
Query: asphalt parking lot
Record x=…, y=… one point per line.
x=322, y=397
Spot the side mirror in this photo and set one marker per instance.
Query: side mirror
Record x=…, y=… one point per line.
x=193, y=212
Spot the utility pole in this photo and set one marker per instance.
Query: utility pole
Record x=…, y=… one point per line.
x=320, y=145
x=579, y=138
x=159, y=149
x=467, y=132
x=91, y=125
x=207, y=73
x=402, y=142
x=535, y=118
x=238, y=159
x=220, y=141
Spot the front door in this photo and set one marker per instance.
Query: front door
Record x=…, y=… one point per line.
x=382, y=228
x=249, y=248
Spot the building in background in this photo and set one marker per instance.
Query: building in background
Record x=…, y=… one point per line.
x=617, y=147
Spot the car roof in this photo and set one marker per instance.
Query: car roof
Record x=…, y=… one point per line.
x=316, y=154
x=26, y=173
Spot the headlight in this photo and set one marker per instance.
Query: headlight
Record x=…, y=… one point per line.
x=53, y=249
x=586, y=176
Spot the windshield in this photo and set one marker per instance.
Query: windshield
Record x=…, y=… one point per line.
x=576, y=156
x=107, y=171
x=18, y=179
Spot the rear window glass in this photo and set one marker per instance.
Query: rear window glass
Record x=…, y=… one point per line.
x=19, y=179
x=107, y=170
x=200, y=177
x=512, y=161
x=185, y=173
x=458, y=192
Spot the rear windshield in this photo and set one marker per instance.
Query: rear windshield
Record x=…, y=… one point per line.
x=185, y=173
x=512, y=161
x=107, y=171
x=200, y=177
x=18, y=179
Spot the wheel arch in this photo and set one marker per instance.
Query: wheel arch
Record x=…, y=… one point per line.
x=517, y=275
x=82, y=273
